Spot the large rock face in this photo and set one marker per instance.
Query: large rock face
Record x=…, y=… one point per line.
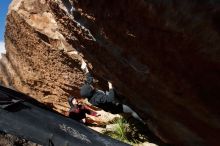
x=163, y=56
x=39, y=60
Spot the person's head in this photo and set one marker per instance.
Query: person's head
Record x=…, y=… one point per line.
x=87, y=91
x=74, y=101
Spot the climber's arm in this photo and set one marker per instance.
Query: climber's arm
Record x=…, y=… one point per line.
x=111, y=94
x=89, y=77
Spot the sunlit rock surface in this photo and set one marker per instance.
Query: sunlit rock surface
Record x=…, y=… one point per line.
x=39, y=61
x=163, y=56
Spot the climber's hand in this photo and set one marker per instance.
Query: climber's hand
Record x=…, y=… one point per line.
x=110, y=85
x=84, y=66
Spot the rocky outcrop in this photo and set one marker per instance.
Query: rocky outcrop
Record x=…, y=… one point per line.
x=162, y=56
x=39, y=61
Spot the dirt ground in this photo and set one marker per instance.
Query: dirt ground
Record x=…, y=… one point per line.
x=10, y=140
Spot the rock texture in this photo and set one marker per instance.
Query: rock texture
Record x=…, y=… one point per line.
x=11, y=140
x=163, y=56
x=39, y=61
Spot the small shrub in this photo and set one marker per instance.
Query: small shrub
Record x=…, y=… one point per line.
x=122, y=131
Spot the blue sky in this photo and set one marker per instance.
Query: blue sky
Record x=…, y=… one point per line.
x=3, y=11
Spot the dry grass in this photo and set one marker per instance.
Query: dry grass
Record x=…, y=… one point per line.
x=124, y=132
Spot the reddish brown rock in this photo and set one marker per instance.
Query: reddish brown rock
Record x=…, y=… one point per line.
x=39, y=61
x=163, y=56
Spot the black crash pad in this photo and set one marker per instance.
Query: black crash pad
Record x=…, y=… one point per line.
x=26, y=118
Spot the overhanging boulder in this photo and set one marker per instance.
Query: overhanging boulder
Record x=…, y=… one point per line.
x=163, y=56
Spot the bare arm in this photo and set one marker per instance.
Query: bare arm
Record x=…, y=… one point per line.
x=111, y=94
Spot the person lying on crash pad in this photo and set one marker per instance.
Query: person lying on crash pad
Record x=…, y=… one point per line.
x=104, y=100
x=79, y=109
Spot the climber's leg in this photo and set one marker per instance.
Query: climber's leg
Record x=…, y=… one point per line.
x=127, y=109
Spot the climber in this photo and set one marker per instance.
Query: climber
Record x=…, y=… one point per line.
x=106, y=101
x=79, y=109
